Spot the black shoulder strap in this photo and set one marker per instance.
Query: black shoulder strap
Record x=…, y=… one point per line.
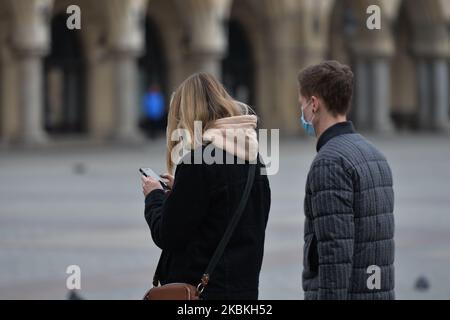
x=226, y=237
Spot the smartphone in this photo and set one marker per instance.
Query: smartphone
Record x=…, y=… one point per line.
x=147, y=172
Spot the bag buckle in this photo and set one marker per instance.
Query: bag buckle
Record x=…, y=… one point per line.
x=202, y=285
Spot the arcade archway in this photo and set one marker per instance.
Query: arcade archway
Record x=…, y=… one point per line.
x=64, y=81
x=238, y=66
x=153, y=82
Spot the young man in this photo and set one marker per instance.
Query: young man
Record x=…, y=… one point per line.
x=349, y=202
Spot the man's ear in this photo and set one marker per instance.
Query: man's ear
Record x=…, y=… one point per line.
x=315, y=104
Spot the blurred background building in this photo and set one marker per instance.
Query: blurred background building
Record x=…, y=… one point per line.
x=112, y=79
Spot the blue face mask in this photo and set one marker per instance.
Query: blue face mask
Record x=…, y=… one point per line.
x=308, y=126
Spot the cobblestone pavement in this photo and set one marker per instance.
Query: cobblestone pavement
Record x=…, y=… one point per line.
x=82, y=204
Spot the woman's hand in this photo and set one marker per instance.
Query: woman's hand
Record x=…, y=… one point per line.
x=150, y=184
x=168, y=179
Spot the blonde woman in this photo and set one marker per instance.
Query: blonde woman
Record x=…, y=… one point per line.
x=189, y=221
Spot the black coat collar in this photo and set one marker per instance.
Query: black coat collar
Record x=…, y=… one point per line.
x=334, y=131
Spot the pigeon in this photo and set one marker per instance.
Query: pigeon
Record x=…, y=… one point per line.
x=422, y=284
x=73, y=295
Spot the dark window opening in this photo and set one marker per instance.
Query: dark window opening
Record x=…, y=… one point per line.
x=64, y=81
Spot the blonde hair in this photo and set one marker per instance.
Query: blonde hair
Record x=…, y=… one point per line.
x=203, y=98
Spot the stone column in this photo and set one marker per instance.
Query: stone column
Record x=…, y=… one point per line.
x=207, y=45
x=286, y=58
x=371, y=52
x=424, y=83
x=433, y=94
x=126, y=40
x=31, y=41
x=440, y=117
x=100, y=109
x=382, y=122
x=431, y=46
x=204, y=61
x=285, y=91
x=372, y=94
x=361, y=103
x=31, y=99
x=126, y=98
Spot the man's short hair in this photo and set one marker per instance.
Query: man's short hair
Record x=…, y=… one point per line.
x=331, y=81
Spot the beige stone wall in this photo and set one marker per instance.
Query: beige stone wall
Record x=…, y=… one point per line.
x=9, y=103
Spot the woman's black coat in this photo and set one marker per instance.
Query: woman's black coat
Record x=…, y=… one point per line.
x=188, y=223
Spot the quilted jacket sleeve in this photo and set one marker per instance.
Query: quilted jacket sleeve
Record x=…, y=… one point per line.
x=333, y=221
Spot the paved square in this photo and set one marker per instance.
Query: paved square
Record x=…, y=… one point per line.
x=82, y=204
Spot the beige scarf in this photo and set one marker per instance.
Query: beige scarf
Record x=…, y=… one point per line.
x=235, y=135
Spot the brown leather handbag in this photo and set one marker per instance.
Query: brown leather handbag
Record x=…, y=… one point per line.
x=185, y=291
x=173, y=291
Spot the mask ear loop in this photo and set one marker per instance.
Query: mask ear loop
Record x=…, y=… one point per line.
x=303, y=111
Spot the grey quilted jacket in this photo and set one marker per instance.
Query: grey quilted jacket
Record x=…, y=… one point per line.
x=349, y=225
